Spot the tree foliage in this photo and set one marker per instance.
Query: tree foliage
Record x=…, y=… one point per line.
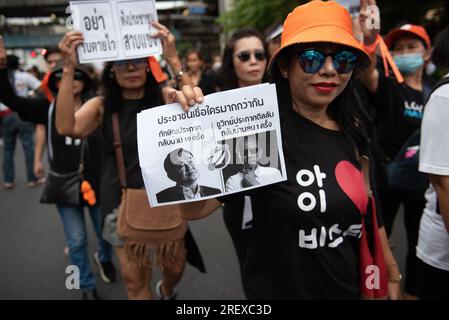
x=261, y=14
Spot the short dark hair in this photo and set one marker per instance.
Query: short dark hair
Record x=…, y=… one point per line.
x=169, y=166
x=440, y=54
x=50, y=51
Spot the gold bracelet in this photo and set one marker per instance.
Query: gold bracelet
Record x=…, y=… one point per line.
x=395, y=280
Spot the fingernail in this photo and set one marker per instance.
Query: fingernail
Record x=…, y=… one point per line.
x=192, y=102
x=200, y=100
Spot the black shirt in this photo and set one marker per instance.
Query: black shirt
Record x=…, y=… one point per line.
x=110, y=184
x=305, y=236
x=400, y=110
x=207, y=82
x=63, y=152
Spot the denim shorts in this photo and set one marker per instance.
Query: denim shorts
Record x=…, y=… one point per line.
x=110, y=229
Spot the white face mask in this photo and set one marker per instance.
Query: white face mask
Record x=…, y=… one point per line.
x=216, y=66
x=430, y=68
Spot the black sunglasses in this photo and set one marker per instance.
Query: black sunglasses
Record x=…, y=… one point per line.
x=137, y=63
x=246, y=55
x=78, y=75
x=312, y=60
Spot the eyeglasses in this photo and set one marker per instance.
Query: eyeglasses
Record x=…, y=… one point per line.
x=78, y=75
x=137, y=63
x=312, y=60
x=246, y=55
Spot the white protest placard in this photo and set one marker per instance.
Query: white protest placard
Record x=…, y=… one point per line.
x=229, y=143
x=115, y=30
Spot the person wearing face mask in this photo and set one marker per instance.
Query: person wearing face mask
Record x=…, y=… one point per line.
x=216, y=62
x=399, y=113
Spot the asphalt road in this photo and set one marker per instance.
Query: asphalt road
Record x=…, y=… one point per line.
x=32, y=263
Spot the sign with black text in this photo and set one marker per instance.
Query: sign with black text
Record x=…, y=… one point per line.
x=229, y=143
x=115, y=30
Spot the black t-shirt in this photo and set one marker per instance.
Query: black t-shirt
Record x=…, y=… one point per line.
x=110, y=184
x=207, y=82
x=400, y=110
x=305, y=237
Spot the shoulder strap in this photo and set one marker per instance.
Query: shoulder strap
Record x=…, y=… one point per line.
x=81, y=166
x=118, y=150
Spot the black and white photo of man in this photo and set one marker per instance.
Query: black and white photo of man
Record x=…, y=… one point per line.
x=252, y=173
x=180, y=168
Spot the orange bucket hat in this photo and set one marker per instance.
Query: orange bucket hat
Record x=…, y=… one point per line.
x=407, y=29
x=319, y=21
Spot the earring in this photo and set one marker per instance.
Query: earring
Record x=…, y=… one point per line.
x=285, y=75
x=148, y=69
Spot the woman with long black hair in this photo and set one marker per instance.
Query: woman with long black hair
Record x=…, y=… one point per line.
x=130, y=86
x=244, y=64
x=313, y=234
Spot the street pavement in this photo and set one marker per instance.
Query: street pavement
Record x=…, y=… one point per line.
x=33, y=265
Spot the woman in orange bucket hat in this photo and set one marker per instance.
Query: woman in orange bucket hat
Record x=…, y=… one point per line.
x=309, y=237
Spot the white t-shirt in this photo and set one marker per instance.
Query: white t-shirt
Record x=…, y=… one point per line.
x=23, y=83
x=433, y=241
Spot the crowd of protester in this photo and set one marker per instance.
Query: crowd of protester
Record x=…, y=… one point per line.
x=344, y=104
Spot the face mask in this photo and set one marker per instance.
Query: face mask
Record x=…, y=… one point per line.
x=431, y=68
x=216, y=66
x=408, y=63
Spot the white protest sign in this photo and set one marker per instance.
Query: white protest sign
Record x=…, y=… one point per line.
x=115, y=30
x=229, y=143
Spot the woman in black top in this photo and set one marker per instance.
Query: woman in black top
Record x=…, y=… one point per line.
x=244, y=64
x=129, y=87
x=307, y=230
x=64, y=157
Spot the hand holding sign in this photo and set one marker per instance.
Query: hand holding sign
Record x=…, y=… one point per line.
x=115, y=30
x=68, y=46
x=187, y=98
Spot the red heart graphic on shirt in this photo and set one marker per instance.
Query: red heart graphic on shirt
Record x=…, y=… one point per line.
x=352, y=182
